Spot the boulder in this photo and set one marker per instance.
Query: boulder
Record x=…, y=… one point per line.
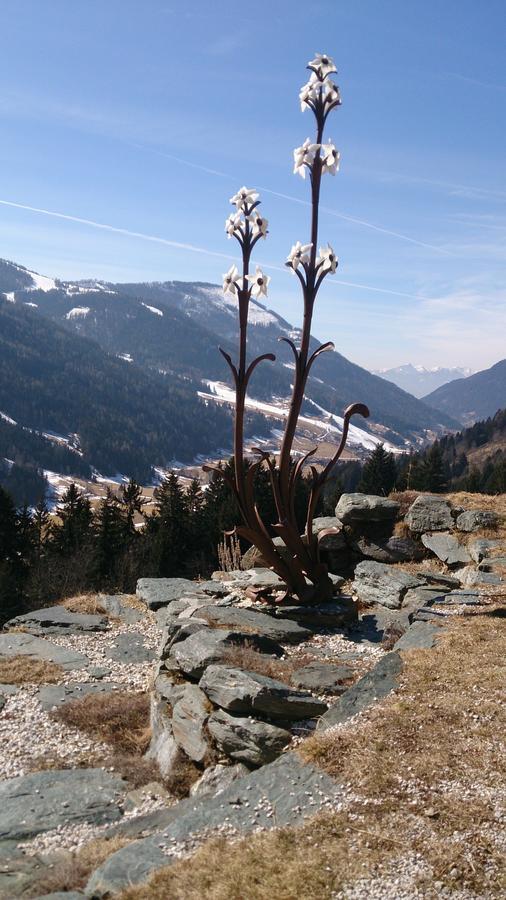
x=217, y=779
x=42, y=801
x=249, y=692
x=481, y=549
x=395, y=549
x=329, y=542
x=129, y=648
x=429, y=513
x=52, y=695
x=322, y=678
x=379, y=583
x=375, y=685
x=118, y=608
x=338, y=613
x=167, y=687
x=158, y=592
x=163, y=748
x=246, y=739
x=475, y=519
x=419, y=636
x=249, y=620
x=210, y=646
x=189, y=717
x=57, y=620
x=355, y=508
x=446, y=547
x=471, y=577
x=28, y=645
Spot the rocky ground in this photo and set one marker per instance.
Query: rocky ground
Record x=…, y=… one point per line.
x=135, y=729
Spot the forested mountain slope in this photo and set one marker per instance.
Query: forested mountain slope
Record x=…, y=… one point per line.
x=473, y=398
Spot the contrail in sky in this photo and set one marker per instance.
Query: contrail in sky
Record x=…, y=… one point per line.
x=182, y=246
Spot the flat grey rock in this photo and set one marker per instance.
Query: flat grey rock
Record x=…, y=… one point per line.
x=322, y=678
x=249, y=620
x=8, y=690
x=429, y=513
x=446, y=547
x=264, y=578
x=211, y=646
x=247, y=740
x=57, y=620
x=248, y=692
x=52, y=695
x=129, y=648
x=395, y=549
x=474, y=519
x=419, y=636
x=481, y=548
x=340, y=612
x=62, y=895
x=471, y=577
x=282, y=793
x=459, y=598
x=375, y=685
x=353, y=508
x=31, y=804
x=496, y=562
x=217, y=779
x=421, y=596
x=380, y=583
x=159, y=592
x=189, y=719
x=334, y=541
x=18, y=644
x=445, y=582
x=115, y=606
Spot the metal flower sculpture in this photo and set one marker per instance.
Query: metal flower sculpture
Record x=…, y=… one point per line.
x=299, y=566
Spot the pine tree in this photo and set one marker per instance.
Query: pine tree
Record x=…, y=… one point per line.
x=379, y=474
x=130, y=496
x=73, y=529
x=168, y=530
x=433, y=473
x=110, y=533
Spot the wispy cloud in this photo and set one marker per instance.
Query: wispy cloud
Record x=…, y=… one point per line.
x=476, y=81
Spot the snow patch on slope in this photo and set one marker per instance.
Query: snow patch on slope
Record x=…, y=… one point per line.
x=153, y=309
x=77, y=312
x=42, y=282
x=7, y=418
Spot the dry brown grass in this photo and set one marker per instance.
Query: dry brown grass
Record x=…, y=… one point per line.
x=120, y=719
x=72, y=873
x=250, y=660
x=405, y=499
x=134, y=769
x=425, y=764
x=84, y=603
x=26, y=670
x=182, y=775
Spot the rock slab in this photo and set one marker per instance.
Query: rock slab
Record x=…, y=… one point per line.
x=380, y=583
x=429, y=513
x=249, y=620
x=246, y=739
x=57, y=620
x=446, y=547
x=248, y=692
x=375, y=685
x=210, y=646
x=28, y=645
x=31, y=804
x=354, y=508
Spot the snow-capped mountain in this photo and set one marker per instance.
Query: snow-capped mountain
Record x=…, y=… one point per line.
x=420, y=381
x=164, y=338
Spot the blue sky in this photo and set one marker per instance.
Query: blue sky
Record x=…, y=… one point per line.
x=147, y=116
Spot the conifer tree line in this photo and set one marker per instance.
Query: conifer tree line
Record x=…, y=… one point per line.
x=44, y=557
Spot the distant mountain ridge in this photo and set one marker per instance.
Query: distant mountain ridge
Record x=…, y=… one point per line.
x=419, y=380
x=474, y=398
x=163, y=339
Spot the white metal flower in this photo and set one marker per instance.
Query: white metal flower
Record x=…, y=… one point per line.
x=309, y=91
x=244, y=197
x=233, y=224
x=330, y=158
x=322, y=64
x=304, y=157
x=298, y=255
x=327, y=259
x=258, y=282
x=331, y=93
x=230, y=281
x=258, y=223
